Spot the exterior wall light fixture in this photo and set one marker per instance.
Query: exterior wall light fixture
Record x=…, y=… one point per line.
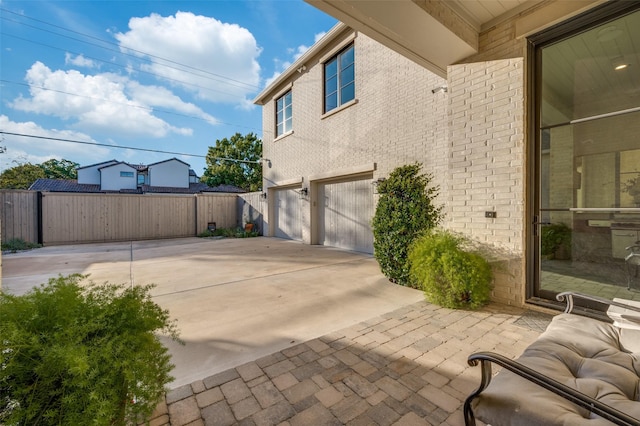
x=304, y=192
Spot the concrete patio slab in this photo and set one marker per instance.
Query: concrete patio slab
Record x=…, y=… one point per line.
x=236, y=300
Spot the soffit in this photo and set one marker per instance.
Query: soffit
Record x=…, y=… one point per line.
x=434, y=34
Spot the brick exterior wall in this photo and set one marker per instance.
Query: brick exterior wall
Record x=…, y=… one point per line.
x=396, y=120
x=485, y=165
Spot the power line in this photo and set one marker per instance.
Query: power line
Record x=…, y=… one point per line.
x=127, y=147
x=120, y=46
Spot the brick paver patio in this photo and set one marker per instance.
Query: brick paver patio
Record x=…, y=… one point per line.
x=406, y=367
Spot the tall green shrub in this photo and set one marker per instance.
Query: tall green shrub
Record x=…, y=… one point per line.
x=450, y=275
x=405, y=209
x=76, y=355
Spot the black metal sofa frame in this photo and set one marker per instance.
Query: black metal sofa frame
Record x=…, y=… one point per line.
x=593, y=406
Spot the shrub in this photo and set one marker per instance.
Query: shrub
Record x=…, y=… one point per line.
x=17, y=244
x=449, y=275
x=82, y=356
x=405, y=209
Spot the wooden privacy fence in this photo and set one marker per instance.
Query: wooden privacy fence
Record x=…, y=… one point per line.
x=19, y=215
x=68, y=218
x=81, y=218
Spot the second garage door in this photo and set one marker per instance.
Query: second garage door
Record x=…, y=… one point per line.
x=344, y=218
x=287, y=214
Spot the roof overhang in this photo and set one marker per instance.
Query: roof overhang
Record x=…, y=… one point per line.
x=408, y=28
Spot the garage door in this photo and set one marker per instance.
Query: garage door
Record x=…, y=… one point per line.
x=345, y=219
x=287, y=214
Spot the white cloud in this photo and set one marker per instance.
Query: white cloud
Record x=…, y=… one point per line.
x=220, y=59
x=36, y=150
x=79, y=61
x=103, y=102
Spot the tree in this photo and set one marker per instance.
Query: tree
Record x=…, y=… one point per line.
x=22, y=176
x=223, y=167
x=405, y=210
x=60, y=169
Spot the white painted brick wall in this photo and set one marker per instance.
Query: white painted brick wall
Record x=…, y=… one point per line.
x=485, y=165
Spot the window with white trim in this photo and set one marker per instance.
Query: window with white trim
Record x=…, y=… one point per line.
x=339, y=79
x=284, y=114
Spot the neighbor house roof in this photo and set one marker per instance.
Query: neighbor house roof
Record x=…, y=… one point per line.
x=63, y=185
x=117, y=164
x=170, y=159
x=98, y=164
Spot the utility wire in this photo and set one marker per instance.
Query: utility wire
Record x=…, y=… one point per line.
x=127, y=147
x=228, y=79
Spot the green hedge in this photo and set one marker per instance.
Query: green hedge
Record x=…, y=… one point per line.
x=449, y=275
x=72, y=354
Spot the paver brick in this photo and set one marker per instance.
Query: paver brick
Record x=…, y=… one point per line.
x=179, y=393
x=184, y=411
x=393, y=388
x=307, y=370
x=329, y=396
x=350, y=408
x=245, y=408
x=285, y=381
x=279, y=368
x=315, y=415
x=235, y=390
x=383, y=415
x=209, y=397
x=411, y=419
x=300, y=391
x=439, y=398
x=249, y=371
x=274, y=415
x=360, y=385
x=220, y=379
x=218, y=414
x=267, y=394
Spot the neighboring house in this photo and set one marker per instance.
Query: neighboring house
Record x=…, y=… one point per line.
x=525, y=112
x=169, y=176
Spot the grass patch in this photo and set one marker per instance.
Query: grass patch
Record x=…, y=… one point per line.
x=18, y=244
x=228, y=233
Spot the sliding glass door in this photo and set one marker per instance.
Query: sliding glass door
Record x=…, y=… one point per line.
x=586, y=207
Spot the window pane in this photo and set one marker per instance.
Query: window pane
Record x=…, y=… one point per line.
x=331, y=85
x=287, y=125
x=287, y=99
x=347, y=76
x=331, y=68
x=279, y=129
x=347, y=93
x=346, y=58
x=279, y=104
x=279, y=117
x=331, y=102
x=287, y=112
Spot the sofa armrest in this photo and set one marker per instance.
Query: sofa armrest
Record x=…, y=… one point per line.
x=486, y=358
x=568, y=297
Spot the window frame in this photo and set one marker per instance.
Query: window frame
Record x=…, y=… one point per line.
x=126, y=174
x=339, y=74
x=282, y=97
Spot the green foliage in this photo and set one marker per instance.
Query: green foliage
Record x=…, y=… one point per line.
x=60, y=169
x=76, y=355
x=24, y=175
x=229, y=233
x=405, y=209
x=21, y=176
x=556, y=241
x=220, y=170
x=449, y=275
x=17, y=244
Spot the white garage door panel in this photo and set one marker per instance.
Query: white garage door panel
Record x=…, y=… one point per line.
x=345, y=221
x=287, y=215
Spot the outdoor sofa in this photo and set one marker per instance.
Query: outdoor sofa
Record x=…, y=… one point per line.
x=580, y=371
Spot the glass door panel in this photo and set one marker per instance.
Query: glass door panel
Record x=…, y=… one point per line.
x=588, y=215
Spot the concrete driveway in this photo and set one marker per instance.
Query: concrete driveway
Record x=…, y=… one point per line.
x=235, y=300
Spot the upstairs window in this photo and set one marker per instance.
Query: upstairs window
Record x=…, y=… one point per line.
x=284, y=114
x=126, y=174
x=339, y=79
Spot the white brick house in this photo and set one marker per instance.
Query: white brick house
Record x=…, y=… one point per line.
x=537, y=125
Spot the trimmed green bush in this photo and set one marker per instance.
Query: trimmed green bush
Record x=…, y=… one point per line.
x=405, y=209
x=76, y=355
x=556, y=241
x=449, y=275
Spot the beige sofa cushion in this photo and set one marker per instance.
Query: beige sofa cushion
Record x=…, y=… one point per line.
x=590, y=356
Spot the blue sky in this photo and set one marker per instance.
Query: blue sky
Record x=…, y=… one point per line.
x=160, y=75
